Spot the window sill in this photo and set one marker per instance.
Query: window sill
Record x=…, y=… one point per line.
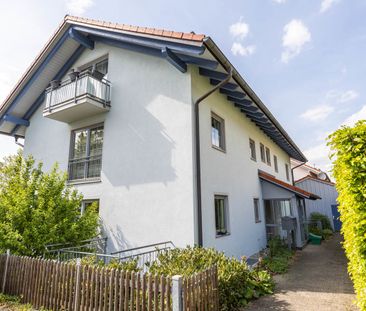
x=222, y=235
x=218, y=149
x=254, y=159
x=84, y=181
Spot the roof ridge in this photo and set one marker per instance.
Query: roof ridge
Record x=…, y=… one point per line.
x=191, y=36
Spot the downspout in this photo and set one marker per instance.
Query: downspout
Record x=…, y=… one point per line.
x=292, y=172
x=198, y=152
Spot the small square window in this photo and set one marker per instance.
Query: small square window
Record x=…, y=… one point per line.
x=253, y=154
x=263, y=153
x=257, y=216
x=287, y=172
x=217, y=132
x=221, y=215
x=275, y=163
x=268, y=156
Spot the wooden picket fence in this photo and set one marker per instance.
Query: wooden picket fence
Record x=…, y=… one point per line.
x=68, y=286
x=200, y=291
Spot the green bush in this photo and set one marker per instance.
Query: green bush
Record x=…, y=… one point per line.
x=348, y=145
x=279, y=256
x=326, y=233
x=39, y=208
x=237, y=283
x=314, y=217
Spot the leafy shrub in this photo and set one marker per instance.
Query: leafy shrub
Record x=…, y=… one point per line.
x=279, y=256
x=348, y=145
x=314, y=217
x=92, y=260
x=39, y=208
x=237, y=283
x=326, y=233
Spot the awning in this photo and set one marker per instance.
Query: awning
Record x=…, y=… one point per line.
x=298, y=191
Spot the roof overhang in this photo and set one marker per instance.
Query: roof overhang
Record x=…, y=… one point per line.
x=77, y=34
x=279, y=183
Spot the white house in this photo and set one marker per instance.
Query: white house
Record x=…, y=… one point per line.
x=316, y=181
x=138, y=127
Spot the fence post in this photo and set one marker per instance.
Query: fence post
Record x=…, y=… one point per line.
x=177, y=293
x=5, y=270
x=77, y=284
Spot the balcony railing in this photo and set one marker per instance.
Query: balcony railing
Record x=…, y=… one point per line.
x=74, y=99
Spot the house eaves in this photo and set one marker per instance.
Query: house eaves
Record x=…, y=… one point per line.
x=75, y=34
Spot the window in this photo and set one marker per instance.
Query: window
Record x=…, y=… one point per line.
x=221, y=215
x=268, y=156
x=217, y=132
x=87, y=203
x=287, y=172
x=253, y=154
x=263, y=155
x=86, y=153
x=99, y=66
x=275, y=163
x=256, y=210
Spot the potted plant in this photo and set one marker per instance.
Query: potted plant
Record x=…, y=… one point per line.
x=55, y=84
x=73, y=74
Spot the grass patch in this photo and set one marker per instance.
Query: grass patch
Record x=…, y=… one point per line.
x=13, y=303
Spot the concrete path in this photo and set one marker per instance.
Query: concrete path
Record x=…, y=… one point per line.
x=317, y=280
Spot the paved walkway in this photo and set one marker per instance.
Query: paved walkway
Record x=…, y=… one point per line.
x=317, y=280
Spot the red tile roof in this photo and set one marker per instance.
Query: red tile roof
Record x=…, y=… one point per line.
x=190, y=36
x=282, y=184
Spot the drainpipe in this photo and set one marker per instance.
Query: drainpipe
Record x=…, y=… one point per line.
x=292, y=171
x=198, y=151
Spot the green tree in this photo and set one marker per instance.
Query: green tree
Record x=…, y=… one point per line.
x=348, y=146
x=39, y=208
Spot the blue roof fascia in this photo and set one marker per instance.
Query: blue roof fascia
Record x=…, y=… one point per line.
x=228, y=86
x=233, y=94
x=172, y=58
x=64, y=69
x=36, y=74
x=81, y=39
x=15, y=120
x=144, y=41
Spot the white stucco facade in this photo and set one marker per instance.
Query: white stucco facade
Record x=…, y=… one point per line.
x=147, y=189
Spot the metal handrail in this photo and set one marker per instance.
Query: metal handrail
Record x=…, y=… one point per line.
x=145, y=246
x=84, y=243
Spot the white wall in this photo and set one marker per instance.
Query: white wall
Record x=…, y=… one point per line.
x=233, y=173
x=328, y=195
x=146, y=191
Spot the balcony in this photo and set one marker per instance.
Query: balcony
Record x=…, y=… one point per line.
x=77, y=99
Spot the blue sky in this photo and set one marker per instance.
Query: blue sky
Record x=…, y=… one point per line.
x=304, y=58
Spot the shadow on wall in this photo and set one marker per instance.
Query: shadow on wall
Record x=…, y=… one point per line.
x=116, y=239
x=142, y=145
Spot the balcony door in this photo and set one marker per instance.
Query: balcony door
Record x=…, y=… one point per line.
x=274, y=211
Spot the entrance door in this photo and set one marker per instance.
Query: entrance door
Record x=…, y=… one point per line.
x=274, y=211
x=336, y=221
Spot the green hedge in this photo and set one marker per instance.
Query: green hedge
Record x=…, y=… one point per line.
x=348, y=146
x=322, y=218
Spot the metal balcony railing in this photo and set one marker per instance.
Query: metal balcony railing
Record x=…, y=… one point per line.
x=72, y=90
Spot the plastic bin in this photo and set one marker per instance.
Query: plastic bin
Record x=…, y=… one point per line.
x=315, y=239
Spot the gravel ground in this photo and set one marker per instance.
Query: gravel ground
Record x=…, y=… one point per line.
x=317, y=280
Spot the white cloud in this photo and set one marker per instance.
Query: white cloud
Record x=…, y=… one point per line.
x=78, y=7
x=359, y=115
x=326, y=5
x=296, y=34
x=279, y=1
x=239, y=49
x=319, y=156
x=342, y=97
x=318, y=113
x=239, y=30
